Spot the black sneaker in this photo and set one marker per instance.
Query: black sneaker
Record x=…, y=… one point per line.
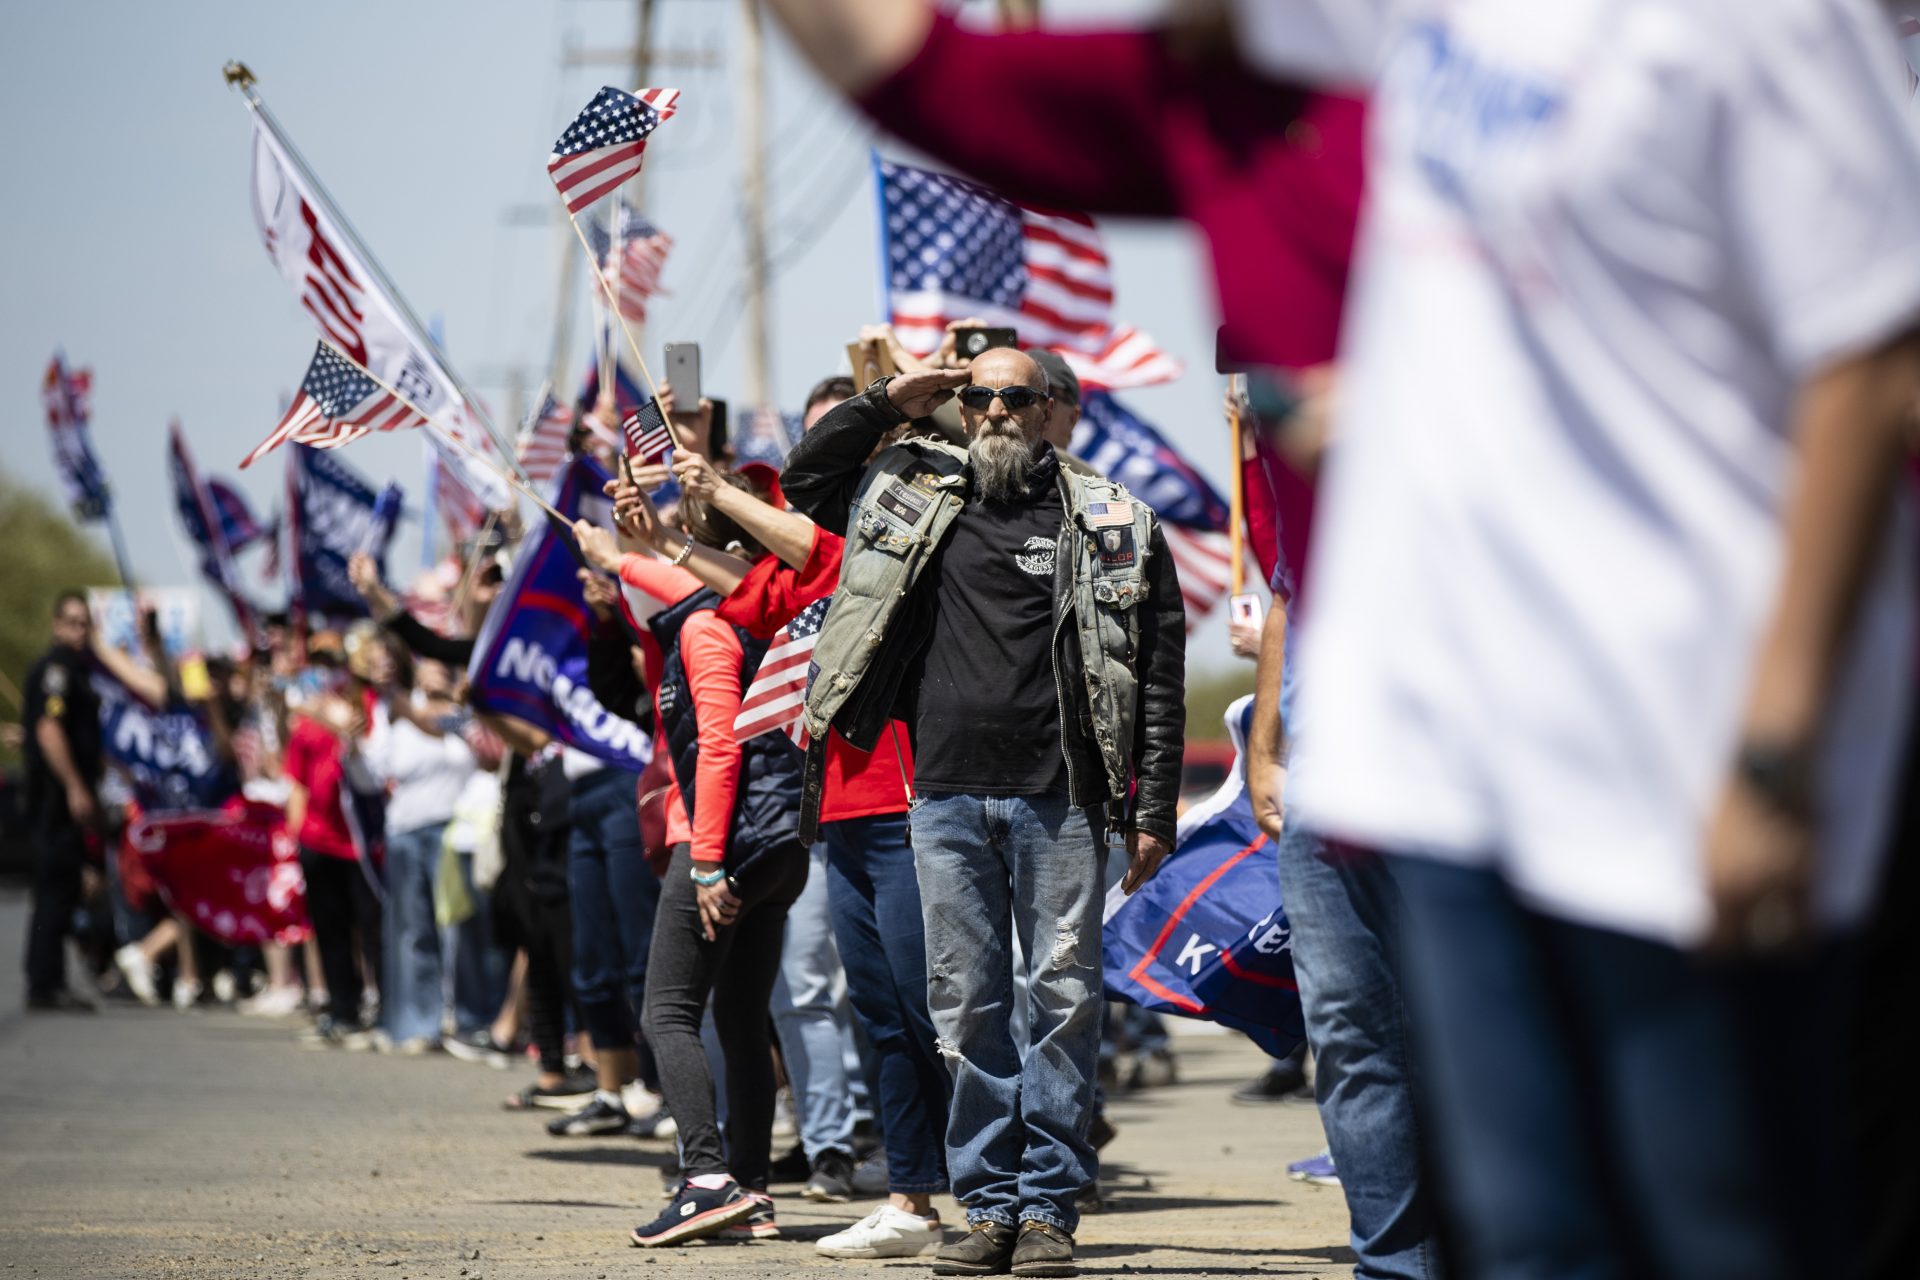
x=986, y=1250
x=1286, y=1078
x=758, y=1225
x=597, y=1119
x=656, y=1124
x=479, y=1046
x=832, y=1180
x=791, y=1167
x=574, y=1091
x=1100, y=1130
x=1043, y=1250
x=694, y=1213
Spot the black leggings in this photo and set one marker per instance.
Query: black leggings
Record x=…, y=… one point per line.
x=338, y=898
x=548, y=938
x=738, y=969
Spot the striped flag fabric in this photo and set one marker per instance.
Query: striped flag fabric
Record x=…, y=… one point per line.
x=542, y=445
x=646, y=434
x=953, y=249
x=630, y=253
x=1193, y=515
x=337, y=404
x=603, y=146
x=778, y=691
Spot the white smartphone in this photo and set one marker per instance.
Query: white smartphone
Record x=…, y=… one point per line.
x=683, y=374
x=1245, y=608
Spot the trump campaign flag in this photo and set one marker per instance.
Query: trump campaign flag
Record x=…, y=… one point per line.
x=331, y=513
x=210, y=528
x=951, y=249
x=530, y=658
x=1207, y=937
x=234, y=872
x=67, y=395
x=167, y=754
x=360, y=314
x=1192, y=514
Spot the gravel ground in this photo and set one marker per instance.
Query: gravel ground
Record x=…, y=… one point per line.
x=144, y=1143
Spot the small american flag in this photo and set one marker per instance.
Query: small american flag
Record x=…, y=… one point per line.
x=778, y=691
x=955, y=249
x=630, y=253
x=337, y=404
x=543, y=440
x=646, y=434
x=602, y=147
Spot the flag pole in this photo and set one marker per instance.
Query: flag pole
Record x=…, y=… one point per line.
x=1238, y=496
x=120, y=559
x=449, y=435
x=238, y=75
x=606, y=291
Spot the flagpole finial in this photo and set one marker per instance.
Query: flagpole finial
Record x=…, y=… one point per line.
x=236, y=73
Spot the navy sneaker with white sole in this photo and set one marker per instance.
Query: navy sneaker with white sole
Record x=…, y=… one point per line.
x=695, y=1212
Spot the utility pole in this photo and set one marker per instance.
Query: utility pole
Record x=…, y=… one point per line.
x=753, y=102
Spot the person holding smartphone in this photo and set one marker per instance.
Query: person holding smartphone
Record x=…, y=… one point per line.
x=737, y=865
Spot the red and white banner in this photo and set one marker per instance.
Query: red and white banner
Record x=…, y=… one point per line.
x=233, y=872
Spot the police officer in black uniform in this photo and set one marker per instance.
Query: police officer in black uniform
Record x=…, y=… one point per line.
x=63, y=752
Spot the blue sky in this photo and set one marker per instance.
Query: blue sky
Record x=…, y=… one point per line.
x=129, y=242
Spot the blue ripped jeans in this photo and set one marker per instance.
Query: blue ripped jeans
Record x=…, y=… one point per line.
x=992, y=867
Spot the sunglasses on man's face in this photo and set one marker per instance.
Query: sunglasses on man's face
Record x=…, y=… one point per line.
x=1015, y=398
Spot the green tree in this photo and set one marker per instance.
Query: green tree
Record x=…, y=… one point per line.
x=42, y=553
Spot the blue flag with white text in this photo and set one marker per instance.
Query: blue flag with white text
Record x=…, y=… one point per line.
x=331, y=513
x=1207, y=937
x=167, y=755
x=530, y=659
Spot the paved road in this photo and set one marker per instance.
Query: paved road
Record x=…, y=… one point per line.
x=142, y=1143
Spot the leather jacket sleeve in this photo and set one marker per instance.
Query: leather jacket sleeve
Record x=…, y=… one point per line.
x=1160, y=720
x=824, y=469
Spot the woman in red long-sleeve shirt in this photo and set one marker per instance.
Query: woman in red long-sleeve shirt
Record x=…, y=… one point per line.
x=737, y=865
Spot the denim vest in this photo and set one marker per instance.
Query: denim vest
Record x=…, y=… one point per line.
x=905, y=504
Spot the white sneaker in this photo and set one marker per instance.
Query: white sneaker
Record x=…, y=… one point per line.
x=274, y=1002
x=640, y=1100
x=887, y=1232
x=138, y=971
x=185, y=994
x=226, y=988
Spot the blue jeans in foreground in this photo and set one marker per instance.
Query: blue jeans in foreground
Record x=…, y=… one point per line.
x=613, y=896
x=989, y=866
x=875, y=898
x=411, y=995
x=1606, y=1106
x=1345, y=910
x=811, y=1026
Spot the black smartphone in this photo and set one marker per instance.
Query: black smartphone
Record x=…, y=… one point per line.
x=968, y=343
x=717, y=433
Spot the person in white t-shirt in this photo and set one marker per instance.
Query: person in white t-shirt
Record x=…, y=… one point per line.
x=1609, y=637
x=414, y=746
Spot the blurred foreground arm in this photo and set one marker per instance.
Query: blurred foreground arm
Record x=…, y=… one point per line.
x=1853, y=422
x=1266, y=771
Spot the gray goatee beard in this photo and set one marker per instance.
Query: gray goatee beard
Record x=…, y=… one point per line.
x=1002, y=465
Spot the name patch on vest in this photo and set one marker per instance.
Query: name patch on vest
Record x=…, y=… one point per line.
x=1115, y=548
x=902, y=501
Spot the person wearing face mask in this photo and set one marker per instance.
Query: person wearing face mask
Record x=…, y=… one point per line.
x=1025, y=622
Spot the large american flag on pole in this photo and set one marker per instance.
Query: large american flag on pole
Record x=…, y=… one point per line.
x=953, y=249
x=337, y=404
x=778, y=691
x=630, y=253
x=603, y=146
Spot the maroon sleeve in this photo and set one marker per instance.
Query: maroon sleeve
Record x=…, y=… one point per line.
x=1072, y=120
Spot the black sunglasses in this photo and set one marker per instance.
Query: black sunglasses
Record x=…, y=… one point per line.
x=1015, y=398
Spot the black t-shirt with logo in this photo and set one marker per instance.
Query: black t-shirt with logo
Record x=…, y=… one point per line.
x=60, y=687
x=988, y=719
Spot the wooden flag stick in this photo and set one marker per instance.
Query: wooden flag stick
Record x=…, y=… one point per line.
x=452, y=437
x=1237, y=533
x=613, y=306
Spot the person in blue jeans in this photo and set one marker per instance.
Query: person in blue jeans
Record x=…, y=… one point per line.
x=1026, y=624
x=1345, y=910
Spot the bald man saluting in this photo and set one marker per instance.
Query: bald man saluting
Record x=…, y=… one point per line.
x=1025, y=621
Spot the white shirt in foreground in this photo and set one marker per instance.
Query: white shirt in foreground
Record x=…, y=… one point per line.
x=1606, y=239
